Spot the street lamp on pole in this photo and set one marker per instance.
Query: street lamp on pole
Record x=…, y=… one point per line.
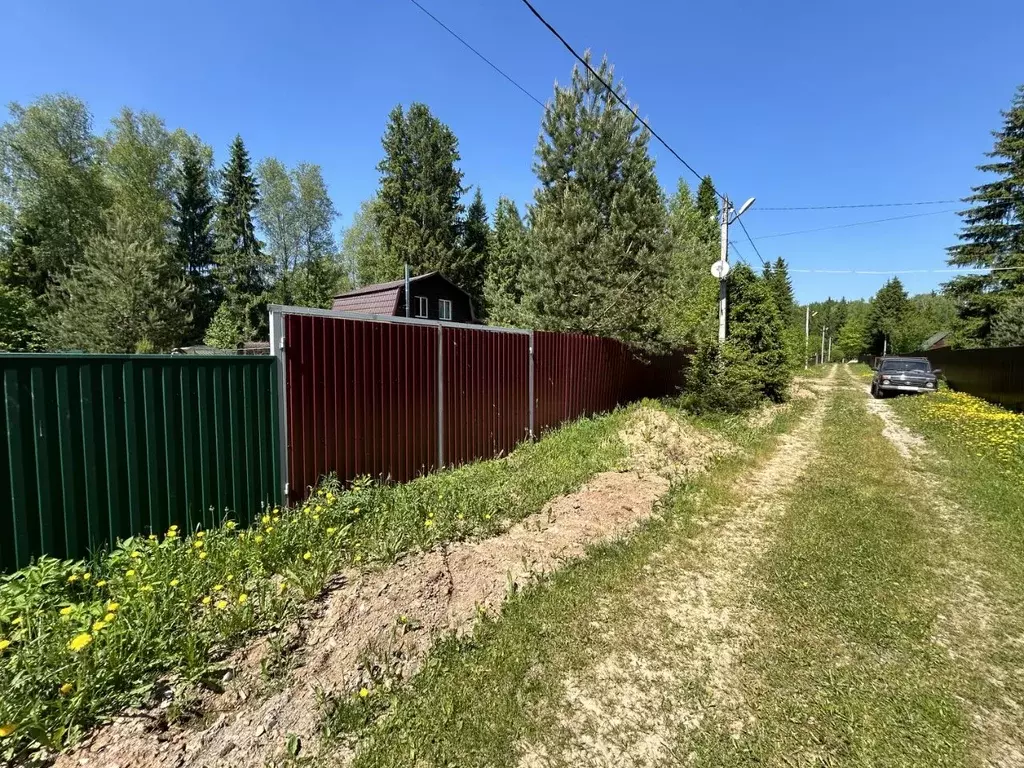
x=720, y=269
x=807, y=334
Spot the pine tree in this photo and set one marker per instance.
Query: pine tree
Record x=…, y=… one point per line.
x=122, y=297
x=599, y=245
x=888, y=314
x=993, y=234
x=777, y=280
x=503, y=287
x=419, y=211
x=194, y=248
x=475, y=245
x=241, y=265
x=708, y=214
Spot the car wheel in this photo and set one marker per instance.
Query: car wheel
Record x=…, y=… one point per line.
x=874, y=392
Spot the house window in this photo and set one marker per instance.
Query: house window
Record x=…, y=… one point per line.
x=444, y=309
x=421, y=306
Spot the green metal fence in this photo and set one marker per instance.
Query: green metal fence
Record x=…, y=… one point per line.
x=99, y=447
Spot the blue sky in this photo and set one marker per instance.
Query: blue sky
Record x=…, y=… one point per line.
x=796, y=103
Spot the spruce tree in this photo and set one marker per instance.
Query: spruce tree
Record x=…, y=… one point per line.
x=992, y=235
x=419, y=211
x=503, y=286
x=1008, y=326
x=755, y=325
x=241, y=265
x=691, y=293
x=888, y=314
x=777, y=279
x=475, y=245
x=708, y=215
x=599, y=245
x=194, y=249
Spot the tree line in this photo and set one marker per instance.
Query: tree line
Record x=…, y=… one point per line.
x=134, y=241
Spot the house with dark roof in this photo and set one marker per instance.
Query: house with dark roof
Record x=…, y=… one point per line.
x=938, y=341
x=432, y=297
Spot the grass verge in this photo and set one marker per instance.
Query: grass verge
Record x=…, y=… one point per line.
x=478, y=698
x=81, y=640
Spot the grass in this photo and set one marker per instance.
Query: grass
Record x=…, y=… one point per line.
x=844, y=672
x=81, y=640
x=478, y=698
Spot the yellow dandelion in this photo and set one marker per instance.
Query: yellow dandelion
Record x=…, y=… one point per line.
x=316, y=518
x=17, y=621
x=4, y=645
x=331, y=531
x=259, y=539
x=358, y=558
x=197, y=544
x=173, y=528
x=175, y=582
x=283, y=586
x=200, y=534
x=72, y=578
x=130, y=573
x=79, y=642
x=202, y=555
x=363, y=693
x=308, y=556
x=270, y=529
x=66, y=689
x=98, y=625
x=112, y=607
x=231, y=577
x=218, y=587
x=7, y=729
x=109, y=617
x=67, y=610
x=172, y=534
x=147, y=588
x=86, y=576
x=222, y=604
x=266, y=519
x=230, y=525
x=427, y=523
x=207, y=600
x=243, y=598
x=277, y=510
x=136, y=554
x=101, y=583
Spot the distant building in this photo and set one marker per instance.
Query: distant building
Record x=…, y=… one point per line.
x=433, y=297
x=938, y=341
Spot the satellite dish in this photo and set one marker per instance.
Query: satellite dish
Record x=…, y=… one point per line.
x=720, y=269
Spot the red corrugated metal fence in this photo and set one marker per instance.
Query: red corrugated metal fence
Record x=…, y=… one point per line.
x=396, y=398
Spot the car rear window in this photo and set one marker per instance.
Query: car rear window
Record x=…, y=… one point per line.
x=906, y=366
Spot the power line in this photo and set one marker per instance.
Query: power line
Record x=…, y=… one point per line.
x=615, y=93
x=490, y=63
x=751, y=241
x=962, y=270
x=857, y=205
x=856, y=224
x=738, y=254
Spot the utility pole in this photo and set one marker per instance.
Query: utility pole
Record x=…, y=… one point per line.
x=720, y=268
x=807, y=336
x=725, y=271
x=830, y=348
x=823, y=329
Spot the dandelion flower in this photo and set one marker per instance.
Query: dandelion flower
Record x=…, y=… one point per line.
x=242, y=598
x=218, y=587
x=109, y=617
x=231, y=577
x=308, y=556
x=202, y=555
x=98, y=625
x=200, y=534
x=7, y=729
x=4, y=645
x=147, y=588
x=86, y=576
x=173, y=528
x=277, y=510
x=207, y=600
x=363, y=693
x=101, y=583
x=222, y=604
x=331, y=531
x=358, y=558
x=197, y=544
x=79, y=642
x=270, y=529
x=259, y=539
x=283, y=586
x=427, y=523
x=67, y=610
x=266, y=519
x=152, y=537
x=17, y=621
x=130, y=573
x=112, y=607
x=230, y=525
x=175, y=582
x=66, y=689
x=72, y=578
x=136, y=554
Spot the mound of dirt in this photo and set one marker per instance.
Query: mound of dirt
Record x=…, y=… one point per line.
x=380, y=624
x=662, y=445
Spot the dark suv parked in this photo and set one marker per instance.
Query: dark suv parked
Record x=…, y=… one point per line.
x=904, y=375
